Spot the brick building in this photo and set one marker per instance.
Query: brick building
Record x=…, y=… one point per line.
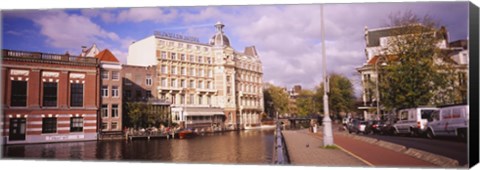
x=110, y=92
x=49, y=97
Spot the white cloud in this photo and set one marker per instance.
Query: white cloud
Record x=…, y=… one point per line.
x=158, y=15
x=71, y=31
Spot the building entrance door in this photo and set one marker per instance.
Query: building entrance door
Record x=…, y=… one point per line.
x=17, y=129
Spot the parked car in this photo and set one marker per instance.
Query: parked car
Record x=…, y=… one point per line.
x=449, y=121
x=413, y=121
x=374, y=127
x=356, y=126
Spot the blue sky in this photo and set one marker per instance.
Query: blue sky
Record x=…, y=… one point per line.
x=287, y=37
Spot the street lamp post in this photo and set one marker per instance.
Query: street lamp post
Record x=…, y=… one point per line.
x=377, y=89
x=327, y=122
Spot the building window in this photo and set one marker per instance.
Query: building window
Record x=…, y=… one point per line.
x=192, y=58
x=198, y=47
x=205, y=49
x=189, y=46
x=209, y=85
x=19, y=93
x=170, y=43
x=49, y=125
x=76, y=124
x=148, y=80
x=138, y=94
x=228, y=90
x=200, y=99
x=104, y=110
x=182, y=99
x=114, y=110
x=180, y=45
x=164, y=69
x=200, y=59
x=174, y=83
x=115, y=75
x=104, y=126
x=76, y=95
x=104, y=91
x=209, y=100
x=114, y=91
x=182, y=57
x=161, y=42
x=209, y=60
x=184, y=71
x=200, y=84
x=128, y=93
x=182, y=83
x=164, y=55
x=148, y=94
x=228, y=79
x=174, y=56
x=192, y=83
x=164, y=82
x=49, y=94
x=210, y=74
x=202, y=73
x=104, y=74
x=114, y=126
x=174, y=69
x=192, y=71
x=191, y=99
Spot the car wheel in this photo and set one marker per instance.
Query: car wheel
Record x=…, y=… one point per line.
x=462, y=135
x=429, y=134
x=412, y=133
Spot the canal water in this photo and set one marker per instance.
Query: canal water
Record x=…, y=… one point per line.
x=234, y=147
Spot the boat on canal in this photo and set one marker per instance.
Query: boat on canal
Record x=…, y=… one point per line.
x=185, y=133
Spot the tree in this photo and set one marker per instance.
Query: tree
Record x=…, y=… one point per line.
x=414, y=61
x=306, y=103
x=341, y=95
x=135, y=113
x=275, y=100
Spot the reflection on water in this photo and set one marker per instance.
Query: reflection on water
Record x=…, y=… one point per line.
x=244, y=147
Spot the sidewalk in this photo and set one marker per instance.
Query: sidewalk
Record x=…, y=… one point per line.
x=351, y=152
x=304, y=149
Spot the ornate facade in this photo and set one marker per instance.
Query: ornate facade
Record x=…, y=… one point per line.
x=211, y=86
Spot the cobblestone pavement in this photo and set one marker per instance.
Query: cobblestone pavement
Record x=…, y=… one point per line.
x=305, y=149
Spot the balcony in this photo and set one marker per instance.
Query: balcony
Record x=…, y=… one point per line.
x=48, y=58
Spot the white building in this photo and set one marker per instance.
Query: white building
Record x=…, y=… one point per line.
x=377, y=51
x=210, y=85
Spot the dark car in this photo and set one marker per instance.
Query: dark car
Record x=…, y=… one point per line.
x=356, y=126
x=375, y=127
x=388, y=129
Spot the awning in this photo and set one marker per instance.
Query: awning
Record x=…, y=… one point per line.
x=203, y=111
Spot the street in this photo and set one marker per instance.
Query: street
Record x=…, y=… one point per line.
x=447, y=147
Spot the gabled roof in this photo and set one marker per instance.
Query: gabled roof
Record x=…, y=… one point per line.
x=374, y=59
x=106, y=55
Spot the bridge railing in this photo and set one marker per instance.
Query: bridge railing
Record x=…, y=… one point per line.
x=280, y=155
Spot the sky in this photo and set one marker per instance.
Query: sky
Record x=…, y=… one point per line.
x=287, y=37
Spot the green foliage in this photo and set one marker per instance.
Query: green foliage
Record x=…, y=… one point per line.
x=275, y=100
x=306, y=103
x=341, y=96
x=143, y=115
x=414, y=72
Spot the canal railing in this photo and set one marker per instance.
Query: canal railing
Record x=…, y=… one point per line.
x=280, y=153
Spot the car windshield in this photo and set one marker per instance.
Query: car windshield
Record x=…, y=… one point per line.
x=427, y=114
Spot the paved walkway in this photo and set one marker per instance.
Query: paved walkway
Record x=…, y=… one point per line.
x=305, y=149
x=376, y=155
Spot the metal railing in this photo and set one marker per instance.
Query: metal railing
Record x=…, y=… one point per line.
x=280, y=155
x=48, y=57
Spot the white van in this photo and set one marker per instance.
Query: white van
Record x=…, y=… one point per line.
x=449, y=121
x=413, y=121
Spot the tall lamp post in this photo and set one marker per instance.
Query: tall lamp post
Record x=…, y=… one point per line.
x=327, y=122
x=378, y=90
